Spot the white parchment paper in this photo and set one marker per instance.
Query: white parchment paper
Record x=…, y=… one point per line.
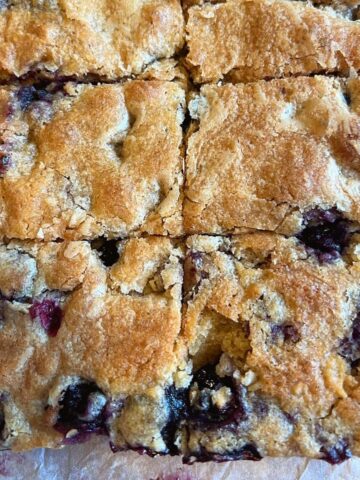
x=94, y=460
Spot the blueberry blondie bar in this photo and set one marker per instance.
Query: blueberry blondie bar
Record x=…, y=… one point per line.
x=274, y=339
x=81, y=349
x=247, y=40
x=261, y=154
x=80, y=161
x=107, y=39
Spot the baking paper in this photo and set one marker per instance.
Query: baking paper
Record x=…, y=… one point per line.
x=94, y=460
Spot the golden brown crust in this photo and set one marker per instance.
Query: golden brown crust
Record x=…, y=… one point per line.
x=119, y=331
x=108, y=38
x=92, y=161
x=266, y=152
x=280, y=318
x=246, y=40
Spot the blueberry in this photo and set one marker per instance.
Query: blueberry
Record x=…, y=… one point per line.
x=108, y=251
x=49, y=313
x=204, y=414
x=82, y=408
x=5, y=163
x=26, y=96
x=337, y=453
x=2, y=422
x=246, y=452
x=178, y=405
x=326, y=234
x=347, y=99
x=289, y=333
x=206, y=377
x=350, y=346
x=29, y=94
x=194, y=273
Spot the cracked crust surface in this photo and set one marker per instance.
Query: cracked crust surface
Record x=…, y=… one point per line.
x=120, y=328
x=89, y=160
x=276, y=318
x=266, y=152
x=247, y=40
x=107, y=38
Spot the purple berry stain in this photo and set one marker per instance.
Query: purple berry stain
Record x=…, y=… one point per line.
x=350, y=346
x=326, y=234
x=50, y=315
x=289, y=333
x=5, y=163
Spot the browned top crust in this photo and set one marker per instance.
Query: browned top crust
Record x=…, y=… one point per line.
x=106, y=38
x=266, y=152
x=278, y=317
x=120, y=326
x=246, y=40
x=91, y=160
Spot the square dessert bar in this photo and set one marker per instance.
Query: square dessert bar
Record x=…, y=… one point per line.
x=246, y=40
x=262, y=155
x=90, y=342
x=274, y=339
x=107, y=39
x=81, y=161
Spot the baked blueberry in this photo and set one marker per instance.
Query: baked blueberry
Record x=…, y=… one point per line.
x=350, y=346
x=82, y=408
x=49, y=313
x=289, y=333
x=178, y=405
x=205, y=411
x=194, y=272
x=5, y=163
x=326, y=234
x=108, y=251
x=337, y=453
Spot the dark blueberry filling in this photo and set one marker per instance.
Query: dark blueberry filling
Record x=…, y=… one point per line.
x=194, y=273
x=246, y=452
x=178, y=404
x=29, y=94
x=350, y=346
x=5, y=163
x=49, y=313
x=81, y=407
x=347, y=99
x=108, y=251
x=204, y=414
x=337, y=453
x=139, y=450
x=289, y=333
x=2, y=423
x=326, y=234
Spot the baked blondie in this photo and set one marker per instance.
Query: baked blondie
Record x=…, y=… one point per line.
x=246, y=40
x=261, y=155
x=274, y=339
x=80, y=160
x=90, y=343
x=107, y=39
